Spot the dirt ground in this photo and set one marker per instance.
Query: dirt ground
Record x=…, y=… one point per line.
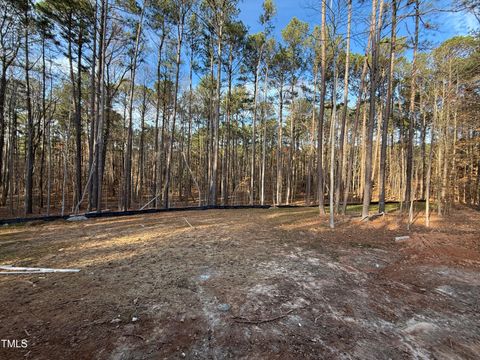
x=254, y=284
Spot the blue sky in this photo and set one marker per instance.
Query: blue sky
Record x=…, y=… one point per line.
x=448, y=24
x=445, y=24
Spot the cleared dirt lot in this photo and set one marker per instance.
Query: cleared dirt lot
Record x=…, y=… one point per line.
x=255, y=284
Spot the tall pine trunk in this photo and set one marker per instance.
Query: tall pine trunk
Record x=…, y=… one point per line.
x=367, y=189
x=344, y=112
x=411, y=113
x=127, y=190
x=174, y=109
x=386, y=116
x=30, y=128
x=323, y=88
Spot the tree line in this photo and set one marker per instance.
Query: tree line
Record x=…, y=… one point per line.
x=124, y=104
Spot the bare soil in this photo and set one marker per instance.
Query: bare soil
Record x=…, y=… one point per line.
x=253, y=284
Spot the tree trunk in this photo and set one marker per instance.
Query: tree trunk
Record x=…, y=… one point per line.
x=323, y=88
x=430, y=160
x=254, y=134
x=216, y=124
x=279, y=146
x=127, y=191
x=226, y=156
x=332, y=143
x=290, y=165
x=101, y=109
x=91, y=139
x=312, y=134
x=344, y=112
x=264, y=140
x=141, y=155
x=174, y=109
x=367, y=190
x=30, y=129
x=3, y=86
x=157, y=177
x=78, y=120
x=386, y=116
x=411, y=112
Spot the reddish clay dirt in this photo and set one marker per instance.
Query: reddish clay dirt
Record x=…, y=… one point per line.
x=274, y=284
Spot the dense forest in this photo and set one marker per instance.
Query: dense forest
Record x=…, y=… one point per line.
x=124, y=104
